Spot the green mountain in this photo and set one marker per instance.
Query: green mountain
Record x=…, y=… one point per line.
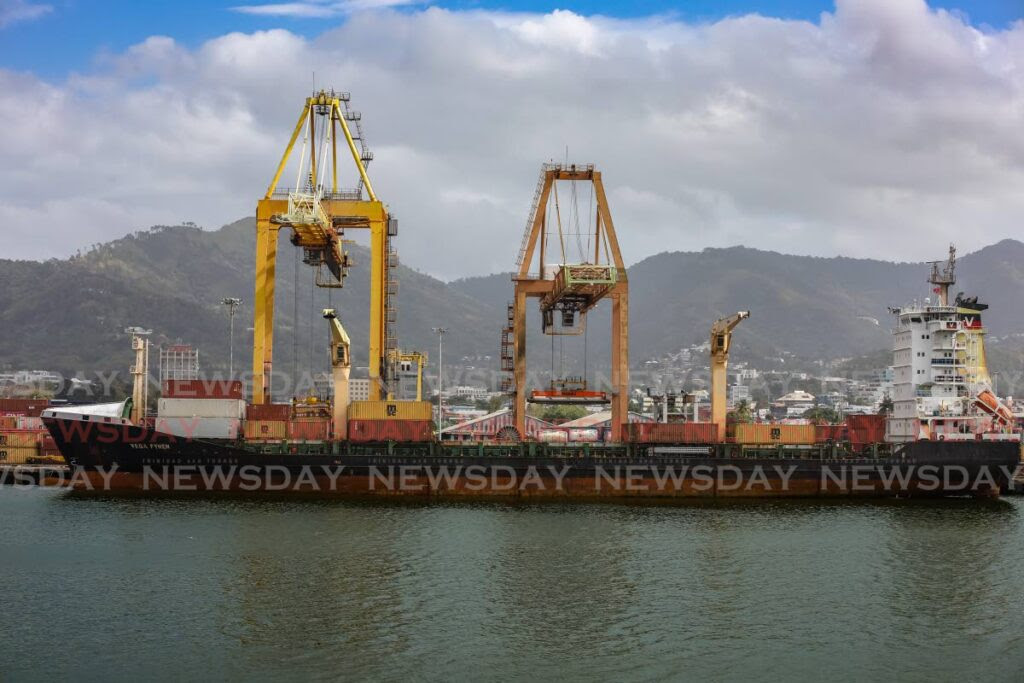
x=70, y=315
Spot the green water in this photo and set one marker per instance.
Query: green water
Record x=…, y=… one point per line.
x=186, y=589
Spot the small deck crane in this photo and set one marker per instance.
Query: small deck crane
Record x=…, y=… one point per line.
x=341, y=366
x=721, y=340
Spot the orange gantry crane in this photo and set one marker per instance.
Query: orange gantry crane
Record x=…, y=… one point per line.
x=318, y=213
x=568, y=290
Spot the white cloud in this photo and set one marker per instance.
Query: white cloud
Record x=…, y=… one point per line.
x=885, y=130
x=15, y=11
x=319, y=9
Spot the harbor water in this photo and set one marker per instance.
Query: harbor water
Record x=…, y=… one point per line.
x=129, y=588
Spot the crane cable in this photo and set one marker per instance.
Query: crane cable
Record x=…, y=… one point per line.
x=323, y=157
x=558, y=216
x=590, y=215
x=295, y=324
x=576, y=221
x=312, y=318
x=302, y=155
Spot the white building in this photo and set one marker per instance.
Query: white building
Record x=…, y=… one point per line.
x=359, y=389
x=466, y=392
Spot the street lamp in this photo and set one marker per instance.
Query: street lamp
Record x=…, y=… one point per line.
x=232, y=304
x=440, y=332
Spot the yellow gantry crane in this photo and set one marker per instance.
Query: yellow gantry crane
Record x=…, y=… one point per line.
x=721, y=340
x=318, y=213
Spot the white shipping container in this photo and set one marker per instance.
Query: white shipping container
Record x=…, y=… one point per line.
x=200, y=427
x=201, y=407
x=552, y=436
x=584, y=435
x=32, y=423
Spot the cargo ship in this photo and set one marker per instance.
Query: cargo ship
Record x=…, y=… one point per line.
x=207, y=437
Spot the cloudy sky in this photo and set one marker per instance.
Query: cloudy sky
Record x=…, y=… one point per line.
x=872, y=128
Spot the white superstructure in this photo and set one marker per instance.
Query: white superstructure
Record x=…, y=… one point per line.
x=942, y=388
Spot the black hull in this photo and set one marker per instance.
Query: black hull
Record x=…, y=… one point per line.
x=113, y=456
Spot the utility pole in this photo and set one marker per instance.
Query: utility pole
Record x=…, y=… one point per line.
x=440, y=332
x=232, y=304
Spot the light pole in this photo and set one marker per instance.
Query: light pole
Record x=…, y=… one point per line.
x=440, y=332
x=232, y=304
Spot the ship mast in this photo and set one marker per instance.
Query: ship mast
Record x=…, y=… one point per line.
x=943, y=280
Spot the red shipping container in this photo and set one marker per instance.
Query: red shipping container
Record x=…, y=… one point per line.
x=277, y=412
x=390, y=430
x=671, y=432
x=866, y=429
x=833, y=433
x=27, y=407
x=203, y=388
x=309, y=429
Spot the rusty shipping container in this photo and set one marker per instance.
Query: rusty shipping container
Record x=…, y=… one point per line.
x=391, y=410
x=865, y=429
x=8, y=422
x=309, y=429
x=390, y=430
x=29, y=407
x=203, y=388
x=827, y=433
x=18, y=455
x=266, y=429
x=765, y=434
x=671, y=432
x=19, y=438
x=278, y=412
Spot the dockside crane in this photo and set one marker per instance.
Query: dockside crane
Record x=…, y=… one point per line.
x=318, y=213
x=568, y=290
x=721, y=340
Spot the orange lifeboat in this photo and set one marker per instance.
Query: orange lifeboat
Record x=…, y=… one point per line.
x=990, y=403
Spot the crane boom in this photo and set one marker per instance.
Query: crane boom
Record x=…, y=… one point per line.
x=721, y=340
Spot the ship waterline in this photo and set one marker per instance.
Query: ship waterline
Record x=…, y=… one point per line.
x=105, y=456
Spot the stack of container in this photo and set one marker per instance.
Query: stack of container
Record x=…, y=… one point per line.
x=23, y=438
x=201, y=409
x=310, y=422
x=18, y=447
x=403, y=421
x=267, y=422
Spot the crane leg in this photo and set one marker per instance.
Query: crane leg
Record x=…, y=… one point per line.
x=377, y=313
x=620, y=360
x=519, y=408
x=263, y=310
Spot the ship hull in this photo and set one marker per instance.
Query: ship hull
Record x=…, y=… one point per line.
x=113, y=457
